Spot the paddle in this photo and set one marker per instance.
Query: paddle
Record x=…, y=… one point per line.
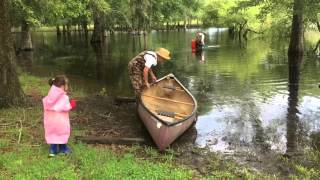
x=211, y=46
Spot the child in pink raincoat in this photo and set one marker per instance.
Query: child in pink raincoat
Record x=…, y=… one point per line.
x=56, y=107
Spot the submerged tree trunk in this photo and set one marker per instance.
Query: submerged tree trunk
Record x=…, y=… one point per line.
x=68, y=29
x=26, y=42
x=58, y=30
x=64, y=31
x=98, y=29
x=292, y=115
x=85, y=28
x=295, y=54
x=317, y=48
x=296, y=38
x=11, y=93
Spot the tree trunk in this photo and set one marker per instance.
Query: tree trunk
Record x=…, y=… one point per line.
x=58, y=30
x=64, y=30
x=26, y=42
x=111, y=140
x=296, y=39
x=98, y=29
x=292, y=115
x=68, y=29
x=85, y=28
x=317, y=48
x=318, y=25
x=11, y=93
x=295, y=54
x=241, y=28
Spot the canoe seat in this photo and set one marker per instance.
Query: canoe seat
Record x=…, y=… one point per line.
x=166, y=113
x=173, y=88
x=171, y=114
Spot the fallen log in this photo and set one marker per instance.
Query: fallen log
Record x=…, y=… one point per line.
x=119, y=100
x=110, y=140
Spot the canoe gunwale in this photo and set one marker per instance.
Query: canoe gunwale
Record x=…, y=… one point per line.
x=179, y=121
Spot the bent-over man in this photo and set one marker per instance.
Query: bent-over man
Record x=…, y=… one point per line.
x=140, y=67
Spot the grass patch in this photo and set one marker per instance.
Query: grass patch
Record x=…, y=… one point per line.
x=28, y=158
x=38, y=86
x=304, y=166
x=85, y=163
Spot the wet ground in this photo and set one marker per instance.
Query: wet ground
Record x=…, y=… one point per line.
x=104, y=116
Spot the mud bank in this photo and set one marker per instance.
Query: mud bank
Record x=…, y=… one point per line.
x=104, y=116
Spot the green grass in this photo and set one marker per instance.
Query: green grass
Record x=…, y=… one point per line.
x=305, y=166
x=24, y=153
x=84, y=163
x=38, y=86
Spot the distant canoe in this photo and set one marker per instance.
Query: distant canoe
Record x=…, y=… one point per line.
x=167, y=109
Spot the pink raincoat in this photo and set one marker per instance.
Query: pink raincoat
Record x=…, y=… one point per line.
x=56, y=107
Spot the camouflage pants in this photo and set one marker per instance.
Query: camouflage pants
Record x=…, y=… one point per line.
x=136, y=77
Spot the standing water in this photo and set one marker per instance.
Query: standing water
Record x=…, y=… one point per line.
x=243, y=90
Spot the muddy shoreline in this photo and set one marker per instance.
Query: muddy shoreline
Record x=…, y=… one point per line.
x=103, y=116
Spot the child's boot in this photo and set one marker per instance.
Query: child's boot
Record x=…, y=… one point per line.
x=53, y=150
x=64, y=149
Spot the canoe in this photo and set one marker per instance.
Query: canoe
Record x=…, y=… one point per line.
x=167, y=109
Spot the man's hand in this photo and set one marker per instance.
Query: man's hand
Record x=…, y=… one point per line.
x=154, y=78
x=148, y=85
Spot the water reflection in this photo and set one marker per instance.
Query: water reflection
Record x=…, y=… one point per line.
x=292, y=116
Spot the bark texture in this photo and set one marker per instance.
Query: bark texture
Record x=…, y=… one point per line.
x=98, y=29
x=11, y=93
x=26, y=41
x=296, y=38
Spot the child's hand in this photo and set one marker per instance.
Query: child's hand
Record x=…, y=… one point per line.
x=73, y=103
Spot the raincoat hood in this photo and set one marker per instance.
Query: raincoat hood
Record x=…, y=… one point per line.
x=56, y=100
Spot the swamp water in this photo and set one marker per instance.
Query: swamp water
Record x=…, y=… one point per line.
x=245, y=99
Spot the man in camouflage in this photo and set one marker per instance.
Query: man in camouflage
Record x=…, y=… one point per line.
x=140, y=67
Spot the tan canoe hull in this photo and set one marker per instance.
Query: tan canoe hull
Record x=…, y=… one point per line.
x=162, y=134
x=179, y=100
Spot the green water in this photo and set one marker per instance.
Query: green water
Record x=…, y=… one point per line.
x=241, y=88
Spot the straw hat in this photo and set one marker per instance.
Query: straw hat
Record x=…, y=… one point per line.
x=164, y=53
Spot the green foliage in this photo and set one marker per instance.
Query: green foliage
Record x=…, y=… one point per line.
x=258, y=16
x=29, y=11
x=211, y=15
x=145, y=14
